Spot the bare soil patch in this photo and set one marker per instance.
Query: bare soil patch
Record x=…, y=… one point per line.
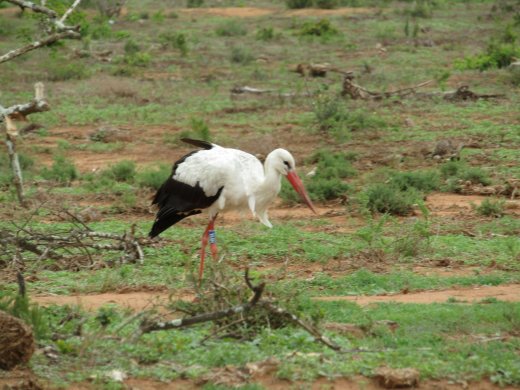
x=134, y=300
x=510, y=293
x=442, y=204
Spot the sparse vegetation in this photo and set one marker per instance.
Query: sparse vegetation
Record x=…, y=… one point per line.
x=491, y=208
x=392, y=215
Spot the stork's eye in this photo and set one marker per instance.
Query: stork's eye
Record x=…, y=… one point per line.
x=286, y=163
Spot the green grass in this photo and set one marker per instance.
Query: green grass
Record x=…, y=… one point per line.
x=366, y=153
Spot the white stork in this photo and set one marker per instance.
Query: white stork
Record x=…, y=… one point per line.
x=219, y=179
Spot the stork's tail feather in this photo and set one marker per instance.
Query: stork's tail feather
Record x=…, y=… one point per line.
x=198, y=143
x=164, y=222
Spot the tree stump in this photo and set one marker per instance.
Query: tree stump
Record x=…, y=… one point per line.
x=16, y=342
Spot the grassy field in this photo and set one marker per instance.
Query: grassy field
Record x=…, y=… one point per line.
x=412, y=261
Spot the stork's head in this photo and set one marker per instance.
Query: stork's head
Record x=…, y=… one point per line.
x=283, y=162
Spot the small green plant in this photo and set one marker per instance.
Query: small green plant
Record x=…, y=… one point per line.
x=62, y=170
x=321, y=28
x=425, y=181
x=175, y=40
x=458, y=172
x=231, y=28
x=122, y=171
x=298, y=4
x=138, y=59
x=158, y=17
x=200, y=129
x=420, y=9
x=326, y=4
x=153, y=178
x=334, y=117
x=132, y=47
x=265, y=34
x=491, y=208
x=241, y=55
x=20, y=306
x=194, y=3
x=67, y=70
x=385, y=198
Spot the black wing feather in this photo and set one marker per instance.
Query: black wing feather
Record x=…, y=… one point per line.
x=178, y=200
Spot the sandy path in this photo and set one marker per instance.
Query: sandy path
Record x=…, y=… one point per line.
x=509, y=293
x=147, y=299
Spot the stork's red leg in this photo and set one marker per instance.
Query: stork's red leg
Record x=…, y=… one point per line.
x=208, y=235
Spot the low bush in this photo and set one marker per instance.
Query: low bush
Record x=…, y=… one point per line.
x=231, y=28
x=321, y=28
x=67, y=70
x=389, y=199
x=174, y=40
x=241, y=55
x=122, y=171
x=298, y=4
x=138, y=59
x=335, y=118
x=326, y=184
x=425, y=181
x=491, y=208
x=194, y=3
x=457, y=172
x=153, y=178
x=62, y=170
x=265, y=34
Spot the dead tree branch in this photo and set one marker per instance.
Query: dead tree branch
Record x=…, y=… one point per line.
x=55, y=29
x=151, y=326
x=39, y=43
x=236, y=91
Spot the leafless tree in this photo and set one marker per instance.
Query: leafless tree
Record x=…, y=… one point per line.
x=54, y=28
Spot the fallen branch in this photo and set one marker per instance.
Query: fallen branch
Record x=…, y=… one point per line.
x=148, y=326
x=356, y=91
x=235, y=91
x=39, y=43
x=151, y=326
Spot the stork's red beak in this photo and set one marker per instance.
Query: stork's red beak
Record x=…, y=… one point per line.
x=300, y=189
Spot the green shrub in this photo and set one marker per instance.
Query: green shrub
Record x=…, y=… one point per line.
x=138, y=59
x=132, y=47
x=194, y=3
x=457, y=171
x=420, y=9
x=491, y=208
x=175, y=40
x=122, y=171
x=425, y=181
x=231, y=28
x=241, y=55
x=153, y=178
x=297, y=4
x=334, y=117
x=475, y=175
x=200, y=129
x=326, y=4
x=19, y=306
x=385, y=198
x=265, y=34
x=332, y=165
x=321, y=28
x=67, y=70
x=62, y=170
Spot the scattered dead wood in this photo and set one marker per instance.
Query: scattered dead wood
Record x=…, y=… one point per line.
x=245, y=90
x=463, y=93
x=54, y=29
x=245, y=310
x=355, y=91
x=16, y=342
x=73, y=248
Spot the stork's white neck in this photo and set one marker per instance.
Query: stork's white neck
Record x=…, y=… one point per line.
x=270, y=186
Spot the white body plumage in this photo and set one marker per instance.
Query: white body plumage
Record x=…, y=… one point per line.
x=245, y=182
